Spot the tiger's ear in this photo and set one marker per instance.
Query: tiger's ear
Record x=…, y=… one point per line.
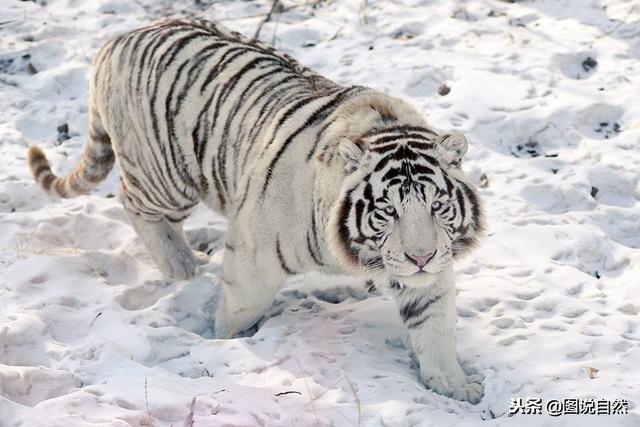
x=451, y=148
x=352, y=155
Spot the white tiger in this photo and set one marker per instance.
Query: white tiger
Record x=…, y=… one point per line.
x=310, y=174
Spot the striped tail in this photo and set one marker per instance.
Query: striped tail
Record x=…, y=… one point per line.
x=94, y=166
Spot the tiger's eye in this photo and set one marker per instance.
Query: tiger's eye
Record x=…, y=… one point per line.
x=389, y=210
x=436, y=205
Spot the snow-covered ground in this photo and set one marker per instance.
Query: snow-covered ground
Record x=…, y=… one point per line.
x=548, y=92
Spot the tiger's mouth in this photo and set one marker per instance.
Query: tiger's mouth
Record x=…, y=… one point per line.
x=377, y=263
x=421, y=274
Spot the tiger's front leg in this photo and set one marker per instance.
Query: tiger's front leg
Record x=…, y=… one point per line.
x=430, y=316
x=247, y=289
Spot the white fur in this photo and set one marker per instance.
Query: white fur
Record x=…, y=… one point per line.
x=268, y=228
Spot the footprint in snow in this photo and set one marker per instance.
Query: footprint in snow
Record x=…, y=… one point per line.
x=599, y=121
x=576, y=65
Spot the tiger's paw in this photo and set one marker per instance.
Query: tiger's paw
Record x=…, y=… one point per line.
x=181, y=270
x=460, y=387
x=181, y=266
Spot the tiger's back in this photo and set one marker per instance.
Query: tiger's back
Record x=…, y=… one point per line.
x=190, y=107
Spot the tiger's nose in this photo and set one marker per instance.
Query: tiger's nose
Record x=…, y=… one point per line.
x=421, y=261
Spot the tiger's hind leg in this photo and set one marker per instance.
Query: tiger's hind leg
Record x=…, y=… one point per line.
x=166, y=245
x=201, y=258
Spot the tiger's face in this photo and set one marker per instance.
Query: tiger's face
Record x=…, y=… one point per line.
x=405, y=208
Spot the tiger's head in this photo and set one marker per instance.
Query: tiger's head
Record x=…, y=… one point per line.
x=406, y=209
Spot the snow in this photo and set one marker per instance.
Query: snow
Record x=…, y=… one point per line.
x=92, y=334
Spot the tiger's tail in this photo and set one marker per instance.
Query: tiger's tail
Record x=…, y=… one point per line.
x=94, y=166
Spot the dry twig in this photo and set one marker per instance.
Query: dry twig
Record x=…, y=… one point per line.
x=189, y=421
x=276, y=7
x=146, y=403
x=282, y=10
x=282, y=393
x=356, y=398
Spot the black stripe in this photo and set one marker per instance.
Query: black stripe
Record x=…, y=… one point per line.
x=216, y=181
x=343, y=227
x=202, y=123
x=314, y=234
x=419, y=322
x=359, y=211
x=422, y=169
x=382, y=163
x=368, y=193
x=430, y=159
x=245, y=194
x=421, y=145
x=382, y=149
x=400, y=128
x=283, y=263
x=473, y=200
x=416, y=308
x=400, y=136
x=394, y=173
x=461, y=202
x=313, y=252
x=449, y=185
